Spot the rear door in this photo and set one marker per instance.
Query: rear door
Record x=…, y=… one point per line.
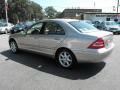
x=52, y=37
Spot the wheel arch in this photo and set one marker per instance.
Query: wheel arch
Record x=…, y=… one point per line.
x=11, y=39
x=63, y=48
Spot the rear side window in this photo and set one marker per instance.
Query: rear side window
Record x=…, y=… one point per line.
x=52, y=28
x=82, y=26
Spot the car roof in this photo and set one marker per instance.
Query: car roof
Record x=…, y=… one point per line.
x=60, y=20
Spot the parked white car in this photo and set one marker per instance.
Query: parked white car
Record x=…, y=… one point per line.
x=5, y=28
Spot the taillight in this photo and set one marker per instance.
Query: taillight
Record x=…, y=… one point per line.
x=99, y=43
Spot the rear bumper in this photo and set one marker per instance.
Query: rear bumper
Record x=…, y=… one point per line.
x=93, y=56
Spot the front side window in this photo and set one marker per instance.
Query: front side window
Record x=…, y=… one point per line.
x=82, y=26
x=53, y=29
x=35, y=29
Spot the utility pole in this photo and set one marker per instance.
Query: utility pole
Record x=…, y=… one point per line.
x=117, y=6
x=6, y=13
x=94, y=5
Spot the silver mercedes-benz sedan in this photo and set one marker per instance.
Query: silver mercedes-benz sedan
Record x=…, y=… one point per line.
x=69, y=41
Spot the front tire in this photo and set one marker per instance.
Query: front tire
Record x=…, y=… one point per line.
x=13, y=46
x=66, y=59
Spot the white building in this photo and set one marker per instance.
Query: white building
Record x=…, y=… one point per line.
x=101, y=16
x=90, y=14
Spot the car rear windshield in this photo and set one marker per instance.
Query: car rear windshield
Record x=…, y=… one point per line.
x=82, y=26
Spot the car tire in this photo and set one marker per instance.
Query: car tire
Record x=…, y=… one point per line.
x=66, y=59
x=115, y=33
x=13, y=46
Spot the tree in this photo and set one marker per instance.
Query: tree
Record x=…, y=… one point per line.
x=14, y=18
x=36, y=11
x=21, y=10
x=59, y=15
x=50, y=12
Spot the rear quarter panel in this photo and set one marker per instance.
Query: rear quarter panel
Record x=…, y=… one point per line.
x=78, y=42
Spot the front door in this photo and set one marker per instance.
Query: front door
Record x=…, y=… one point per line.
x=31, y=39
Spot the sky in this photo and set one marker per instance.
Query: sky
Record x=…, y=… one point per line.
x=60, y=5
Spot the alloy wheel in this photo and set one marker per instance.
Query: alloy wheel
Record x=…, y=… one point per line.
x=13, y=46
x=65, y=59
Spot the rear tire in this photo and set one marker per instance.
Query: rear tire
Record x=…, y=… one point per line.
x=13, y=46
x=66, y=59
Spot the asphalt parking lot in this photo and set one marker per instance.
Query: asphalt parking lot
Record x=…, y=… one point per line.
x=28, y=71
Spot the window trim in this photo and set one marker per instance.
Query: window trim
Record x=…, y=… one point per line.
x=33, y=26
x=56, y=31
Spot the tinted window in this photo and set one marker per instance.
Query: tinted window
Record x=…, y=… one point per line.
x=35, y=29
x=53, y=29
x=88, y=21
x=82, y=26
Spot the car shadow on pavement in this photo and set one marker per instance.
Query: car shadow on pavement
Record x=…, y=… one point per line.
x=48, y=65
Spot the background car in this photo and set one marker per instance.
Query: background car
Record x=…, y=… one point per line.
x=5, y=27
x=118, y=22
x=111, y=26
x=88, y=21
x=22, y=25
x=69, y=41
x=97, y=24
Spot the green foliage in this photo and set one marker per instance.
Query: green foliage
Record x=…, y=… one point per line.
x=21, y=10
x=59, y=15
x=14, y=18
x=50, y=12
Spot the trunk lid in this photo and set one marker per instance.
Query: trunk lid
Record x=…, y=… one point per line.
x=98, y=33
x=106, y=36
